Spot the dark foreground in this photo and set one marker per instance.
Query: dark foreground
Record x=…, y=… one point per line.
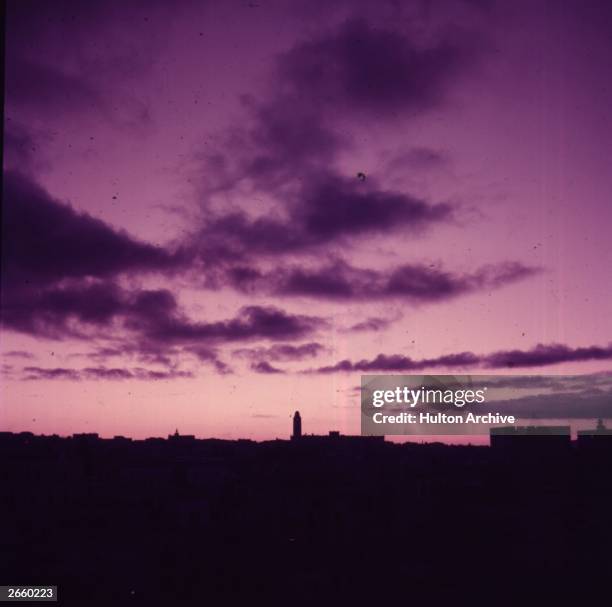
x=210, y=522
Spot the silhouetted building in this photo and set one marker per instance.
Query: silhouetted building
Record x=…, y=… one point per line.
x=531, y=437
x=121, y=439
x=297, y=426
x=86, y=437
x=333, y=437
x=600, y=436
x=176, y=437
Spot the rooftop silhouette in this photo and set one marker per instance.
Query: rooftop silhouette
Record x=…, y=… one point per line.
x=162, y=519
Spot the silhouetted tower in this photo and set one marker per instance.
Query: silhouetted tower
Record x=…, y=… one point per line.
x=297, y=426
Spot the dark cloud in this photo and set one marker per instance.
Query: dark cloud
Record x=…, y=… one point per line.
x=70, y=57
x=57, y=312
x=560, y=405
x=237, y=236
x=209, y=355
x=59, y=266
x=541, y=355
x=45, y=240
x=72, y=307
x=398, y=362
x=138, y=373
x=152, y=307
x=335, y=206
x=19, y=354
x=265, y=367
x=336, y=281
x=151, y=352
x=282, y=352
x=423, y=283
x=553, y=383
x=547, y=355
x=370, y=324
x=102, y=373
x=287, y=140
x=289, y=150
x=252, y=322
x=241, y=277
x=57, y=373
x=328, y=209
x=336, y=76
x=143, y=350
x=152, y=315
x=7, y=370
x=358, y=67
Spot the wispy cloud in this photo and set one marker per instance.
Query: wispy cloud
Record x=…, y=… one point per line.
x=540, y=356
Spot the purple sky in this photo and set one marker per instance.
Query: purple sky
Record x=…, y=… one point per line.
x=216, y=213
